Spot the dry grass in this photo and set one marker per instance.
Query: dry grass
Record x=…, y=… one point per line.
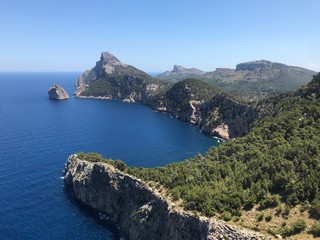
x=279, y=222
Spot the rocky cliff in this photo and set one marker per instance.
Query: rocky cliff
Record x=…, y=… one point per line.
x=112, y=79
x=58, y=93
x=140, y=211
x=226, y=118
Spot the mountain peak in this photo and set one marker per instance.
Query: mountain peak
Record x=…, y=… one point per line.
x=108, y=62
x=178, y=69
x=181, y=73
x=259, y=64
x=107, y=57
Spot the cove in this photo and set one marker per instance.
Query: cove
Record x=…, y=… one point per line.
x=37, y=135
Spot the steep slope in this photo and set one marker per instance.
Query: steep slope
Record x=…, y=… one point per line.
x=180, y=73
x=199, y=103
x=272, y=169
x=267, y=180
x=183, y=99
x=225, y=117
x=142, y=212
x=112, y=79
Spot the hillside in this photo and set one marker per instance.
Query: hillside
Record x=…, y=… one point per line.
x=112, y=79
x=191, y=100
x=183, y=98
x=267, y=180
x=255, y=80
x=215, y=112
x=274, y=168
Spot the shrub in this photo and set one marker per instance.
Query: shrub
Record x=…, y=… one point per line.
x=259, y=217
x=298, y=226
x=315, y=208
x=279, y=210
x=270, y=201
x=286, y=211
x=268, y=217
x=226, y=216
x=119, y=165
x=315, y=230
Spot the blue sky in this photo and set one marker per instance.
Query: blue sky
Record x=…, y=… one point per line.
x=69, y=35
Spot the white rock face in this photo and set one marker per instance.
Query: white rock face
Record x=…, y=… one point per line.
x=58, y=93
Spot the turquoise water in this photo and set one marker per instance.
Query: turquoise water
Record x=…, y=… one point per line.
x=37, y=135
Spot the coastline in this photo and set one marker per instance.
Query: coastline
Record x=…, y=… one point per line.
x=220, y=139
x=142, y=211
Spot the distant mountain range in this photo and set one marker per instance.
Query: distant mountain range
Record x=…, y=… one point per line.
x=251, y=80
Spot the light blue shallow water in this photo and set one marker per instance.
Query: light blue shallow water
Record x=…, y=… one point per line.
x=37, y=135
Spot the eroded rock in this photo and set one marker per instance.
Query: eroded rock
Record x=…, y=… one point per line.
x=58, y=93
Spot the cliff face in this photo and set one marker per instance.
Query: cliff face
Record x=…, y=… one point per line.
x=141, y=212
x=222, y=116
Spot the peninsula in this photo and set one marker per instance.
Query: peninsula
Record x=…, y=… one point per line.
x=267, y=180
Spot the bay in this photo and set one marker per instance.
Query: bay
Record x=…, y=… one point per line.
x=37, y=135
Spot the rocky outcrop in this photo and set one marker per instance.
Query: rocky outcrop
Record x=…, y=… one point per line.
x=58, y=93
x=141, y=212
x=112, y=79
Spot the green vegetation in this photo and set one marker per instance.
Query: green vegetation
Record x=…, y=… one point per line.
x=259, y=217
x=255, y=81
x=296, y=227
x=91, y=157
x=122, y=82
x=268, y=217
x=96, y=157
x=277, y=162
x=315, y=230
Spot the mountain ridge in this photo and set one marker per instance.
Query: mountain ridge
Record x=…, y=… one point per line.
x=253, y=80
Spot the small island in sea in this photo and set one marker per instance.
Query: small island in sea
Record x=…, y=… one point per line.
x=57, y=93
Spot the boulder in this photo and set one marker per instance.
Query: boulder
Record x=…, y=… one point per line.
x=58, y=93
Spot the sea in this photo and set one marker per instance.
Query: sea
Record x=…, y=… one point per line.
x=38, y=134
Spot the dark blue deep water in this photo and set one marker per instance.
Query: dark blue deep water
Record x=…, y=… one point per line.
x=37, y=135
